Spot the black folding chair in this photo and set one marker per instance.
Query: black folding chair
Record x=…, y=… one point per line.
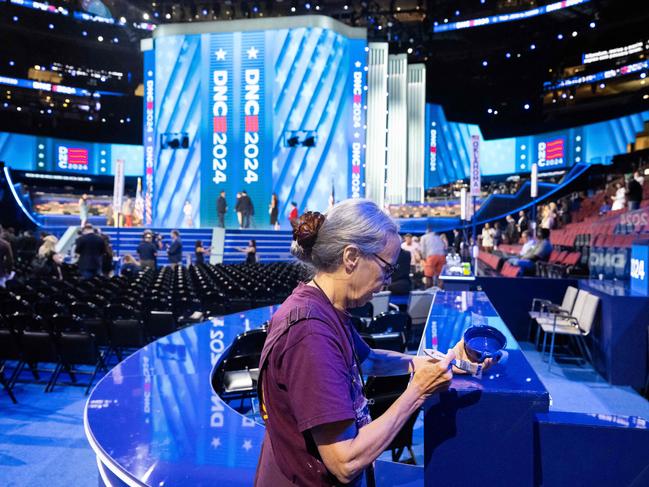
x=159, y=324
x=78, y=349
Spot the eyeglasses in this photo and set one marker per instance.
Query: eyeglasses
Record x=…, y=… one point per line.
x=388, y=269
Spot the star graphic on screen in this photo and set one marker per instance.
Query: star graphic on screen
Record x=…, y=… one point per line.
x=356, y=135
x=247, y=445
x=220, y=54
x=216, y=442
x=357, y=64
x=252, y=52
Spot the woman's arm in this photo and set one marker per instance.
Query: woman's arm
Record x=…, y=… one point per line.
x=346, y=451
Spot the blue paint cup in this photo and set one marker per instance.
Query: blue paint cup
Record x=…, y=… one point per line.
x=483, y=342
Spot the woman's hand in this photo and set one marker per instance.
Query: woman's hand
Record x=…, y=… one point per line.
x=460, y=353
x=432, y=376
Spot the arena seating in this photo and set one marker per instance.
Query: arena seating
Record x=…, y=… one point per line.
x=52, y=326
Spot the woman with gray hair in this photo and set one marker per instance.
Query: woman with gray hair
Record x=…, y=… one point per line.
x=318, y=428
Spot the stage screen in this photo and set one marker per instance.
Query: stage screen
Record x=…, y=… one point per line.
x=271, y=110
x=32, y=153
x=448, y=147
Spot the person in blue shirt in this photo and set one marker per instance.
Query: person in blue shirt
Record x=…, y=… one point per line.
x=175, y=249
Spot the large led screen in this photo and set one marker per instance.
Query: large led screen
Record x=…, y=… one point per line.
x=448, y=147
x=265, y=111
x=32, y=153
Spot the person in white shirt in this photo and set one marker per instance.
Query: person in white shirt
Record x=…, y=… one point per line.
x=487, y=237
x=619, y=199
x=413, y=247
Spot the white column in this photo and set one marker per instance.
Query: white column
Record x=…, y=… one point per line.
x=416, y=132
x=397, y=134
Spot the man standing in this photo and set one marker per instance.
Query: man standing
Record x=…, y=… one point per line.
x=433, y=252
x=91, y=249
x=511, y=231
x=237, y=209
x=633, y=193
x=522, y=224
x=221, y=208
x=247, y=209
x=147, y=251
x=175, y=249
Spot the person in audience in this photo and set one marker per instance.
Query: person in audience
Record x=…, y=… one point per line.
x=250, y=251
x=199, y=252
x=187, y=211
x=6, y=262
x=273, y=211
x=247, y=210
x=26, y=246
x=604, y=208
x=487, y=238
x=147, y=251
x=175, y=249
x=633, y=193
x=511, y=231
x=539, y=253
x=91, y=249
x=528, y=244
x=618, y=198
x=523, y=223
x=129, y=266
x=413, y=249
x=83, y=210
x=9, y=234
x=433, y=254
x=318, y=427
x=401, y=284
x=497, y=235
x=107, y=259
x=638, y=177
x=221, y=209
x=48, y=262
x=547, y=217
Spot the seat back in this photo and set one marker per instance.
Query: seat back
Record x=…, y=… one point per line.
x=380, y=302
x=160, y=323
x=126, y=334
x=588, y=312
x=419, y=305
x=38, y=346
x=569, y=299
x=78, y=349
x=249, y=343
x=580, y=302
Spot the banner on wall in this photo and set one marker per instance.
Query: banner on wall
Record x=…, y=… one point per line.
x=475, y=165
x=118, y=187
x=148, y=137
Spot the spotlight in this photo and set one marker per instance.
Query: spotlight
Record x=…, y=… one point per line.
x=100, y=38
x=532, y=46
x=602, y=85
x=508, y=55
x=592, y=25
x=292, y=9
x=574, y=33
x=489, y=110
x=345, y=7
x=15, y=19
x=560, y=36
x=526, y=106
x=307, y=6
x=410, y=50
x=485, y=63
x=145, y=16
x=167, y=16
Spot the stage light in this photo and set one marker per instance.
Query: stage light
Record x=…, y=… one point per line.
x=292, y=9
x=592, y=25
x=495, y=112
x=643, y=75
x=485, y=63
x=574, y=33
x=167, y=16
x=457, y=13
x=122, y=20
x=410, y=50
x=560, y=36
x=602, y=85
x=100, y=38
x=307, y=6
x=116, y=41
x=508, y=55
x=526, y=106
x=11, y=63
x=317, y=7
x=345, y=7
x=15, y=19
x=379, y=27
x=19, y=109
x=645, y=97
x=84, y=33
x=145, y=16
x=489, y=110
x=532, y=46
x=51, y=26
x=446, y=21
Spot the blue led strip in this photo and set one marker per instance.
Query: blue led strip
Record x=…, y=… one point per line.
x=54, y=88
x=497, y=19
x=593, y=78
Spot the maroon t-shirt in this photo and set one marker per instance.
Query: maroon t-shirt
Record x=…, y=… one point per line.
x=311, y=379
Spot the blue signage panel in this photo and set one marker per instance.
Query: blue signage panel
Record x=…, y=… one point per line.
x=640, y=267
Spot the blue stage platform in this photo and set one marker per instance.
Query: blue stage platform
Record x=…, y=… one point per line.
x=154, y=419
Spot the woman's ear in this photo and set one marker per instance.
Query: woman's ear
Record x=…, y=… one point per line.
x=351, y=258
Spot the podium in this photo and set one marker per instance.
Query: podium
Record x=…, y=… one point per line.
x=480, y=431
